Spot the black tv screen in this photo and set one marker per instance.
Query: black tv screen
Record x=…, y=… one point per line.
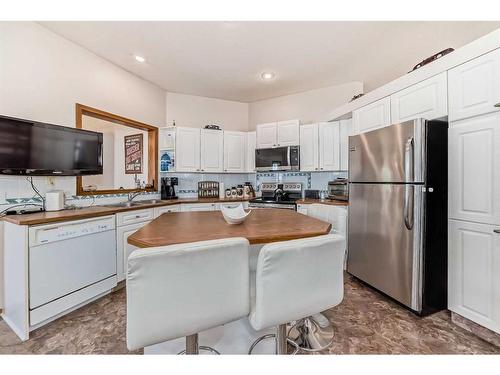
x=34, y=148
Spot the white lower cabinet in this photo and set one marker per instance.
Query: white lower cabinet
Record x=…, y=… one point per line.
x=190, y=207
x=302, y=209
x=128, y=223
x=474, y=272
x=124, y=249
x=158, y=211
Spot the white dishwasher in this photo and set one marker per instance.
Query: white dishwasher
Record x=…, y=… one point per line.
x=70, y=263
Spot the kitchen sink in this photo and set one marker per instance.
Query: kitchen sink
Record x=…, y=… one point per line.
x=134, y=203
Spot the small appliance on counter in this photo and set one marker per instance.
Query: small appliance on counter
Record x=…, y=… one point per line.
x=338, y=189
x=167, y=187
x=54, y=200
x=311, y=194
x=208, y=189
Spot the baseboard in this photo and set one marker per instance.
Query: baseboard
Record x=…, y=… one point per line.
x=478, y=330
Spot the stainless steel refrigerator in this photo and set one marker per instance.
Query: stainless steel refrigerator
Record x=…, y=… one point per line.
x=397, y=233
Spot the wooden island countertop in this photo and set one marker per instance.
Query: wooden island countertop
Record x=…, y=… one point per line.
x=261, y=226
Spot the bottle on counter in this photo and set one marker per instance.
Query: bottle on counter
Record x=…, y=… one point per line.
x=234, y=192
x=239, y=191
x=228, y=193
x=221, y=190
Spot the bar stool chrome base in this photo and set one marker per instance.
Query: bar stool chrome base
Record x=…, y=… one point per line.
x=312, y=334
x=281, y=341
x=192, y=346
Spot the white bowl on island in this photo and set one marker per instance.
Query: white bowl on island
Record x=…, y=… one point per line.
x=234, y=215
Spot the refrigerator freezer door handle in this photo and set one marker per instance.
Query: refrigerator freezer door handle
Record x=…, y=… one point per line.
x=408, y=206
x=409, y=177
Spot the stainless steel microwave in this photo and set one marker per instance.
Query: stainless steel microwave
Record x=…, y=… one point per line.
x=277, y=159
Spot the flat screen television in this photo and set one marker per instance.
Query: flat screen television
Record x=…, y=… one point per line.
x=34, y=148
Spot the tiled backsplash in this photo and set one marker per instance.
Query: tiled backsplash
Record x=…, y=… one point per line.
x=16, y=189
x=309, y=180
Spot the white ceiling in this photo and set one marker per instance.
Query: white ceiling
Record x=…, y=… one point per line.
x=225, y=59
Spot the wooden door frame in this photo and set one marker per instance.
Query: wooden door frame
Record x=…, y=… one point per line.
x=152, y=154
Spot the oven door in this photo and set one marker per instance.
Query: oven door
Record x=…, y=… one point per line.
x=276, y=159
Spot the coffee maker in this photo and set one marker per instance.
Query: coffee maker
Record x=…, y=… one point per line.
x=167, y=187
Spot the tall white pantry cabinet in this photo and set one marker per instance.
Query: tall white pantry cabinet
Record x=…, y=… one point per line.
x=474, y=190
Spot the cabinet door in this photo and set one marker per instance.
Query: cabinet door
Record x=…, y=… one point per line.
x=212, y=150
x=372, y=116
x=251, y=145
x=345, y=130
x=329, y=146
x=474, y=272
x=302, y=209
x=198, y=207
x=288, y=133
x=234, y=152
x=167, y=138
x=166, y=209
x=309, y=147
x=474, y=169
x=187, y=150
x=123, y=248
x=266, y=135
x=474, y=87
x=427, y=99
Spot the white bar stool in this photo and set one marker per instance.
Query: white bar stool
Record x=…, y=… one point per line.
x=180, y=290
x=314, y=332
x=295, y=279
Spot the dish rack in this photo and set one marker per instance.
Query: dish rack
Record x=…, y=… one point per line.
x=208, y=189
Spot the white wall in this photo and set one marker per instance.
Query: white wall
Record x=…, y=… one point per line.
x=43, y=75
x=198, y=111
x=308, y=106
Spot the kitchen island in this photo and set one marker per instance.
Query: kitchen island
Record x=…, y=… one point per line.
x=261, y=226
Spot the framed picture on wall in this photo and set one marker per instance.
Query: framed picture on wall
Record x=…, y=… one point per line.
x=133, y=153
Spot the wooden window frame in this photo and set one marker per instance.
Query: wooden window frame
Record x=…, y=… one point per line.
x=152, y=153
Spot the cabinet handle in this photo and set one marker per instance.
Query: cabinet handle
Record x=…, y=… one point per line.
x=496, y=231
x=497, y=105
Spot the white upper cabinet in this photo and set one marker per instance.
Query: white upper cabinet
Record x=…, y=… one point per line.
x=372, y=116
x=235, y=151
x=345, y=130
x=212, y=150
x=309, y=147
x=187, y=150
x=474, y=272
x=278, y=134
x=474, y=169
x=167, y=138
x=329, y=142
x=426, y=99
x=251, y=144
x=474, y=87
x=267, y=136
x=288, y=133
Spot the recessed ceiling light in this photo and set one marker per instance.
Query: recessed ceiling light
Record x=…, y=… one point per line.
x=139, y=58
x=268, y=76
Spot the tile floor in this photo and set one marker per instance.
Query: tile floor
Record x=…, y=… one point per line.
x=365, y=323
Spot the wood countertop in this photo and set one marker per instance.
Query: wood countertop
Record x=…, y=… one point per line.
x=323, y=201
x=261, y=226
x=96, y=211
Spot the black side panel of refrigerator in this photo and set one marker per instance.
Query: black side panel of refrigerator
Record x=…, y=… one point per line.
x=435, y=259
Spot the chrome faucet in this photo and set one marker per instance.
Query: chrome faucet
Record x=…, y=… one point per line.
x=132, y=195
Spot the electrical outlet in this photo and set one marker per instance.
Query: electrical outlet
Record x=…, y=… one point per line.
x=51, y=181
